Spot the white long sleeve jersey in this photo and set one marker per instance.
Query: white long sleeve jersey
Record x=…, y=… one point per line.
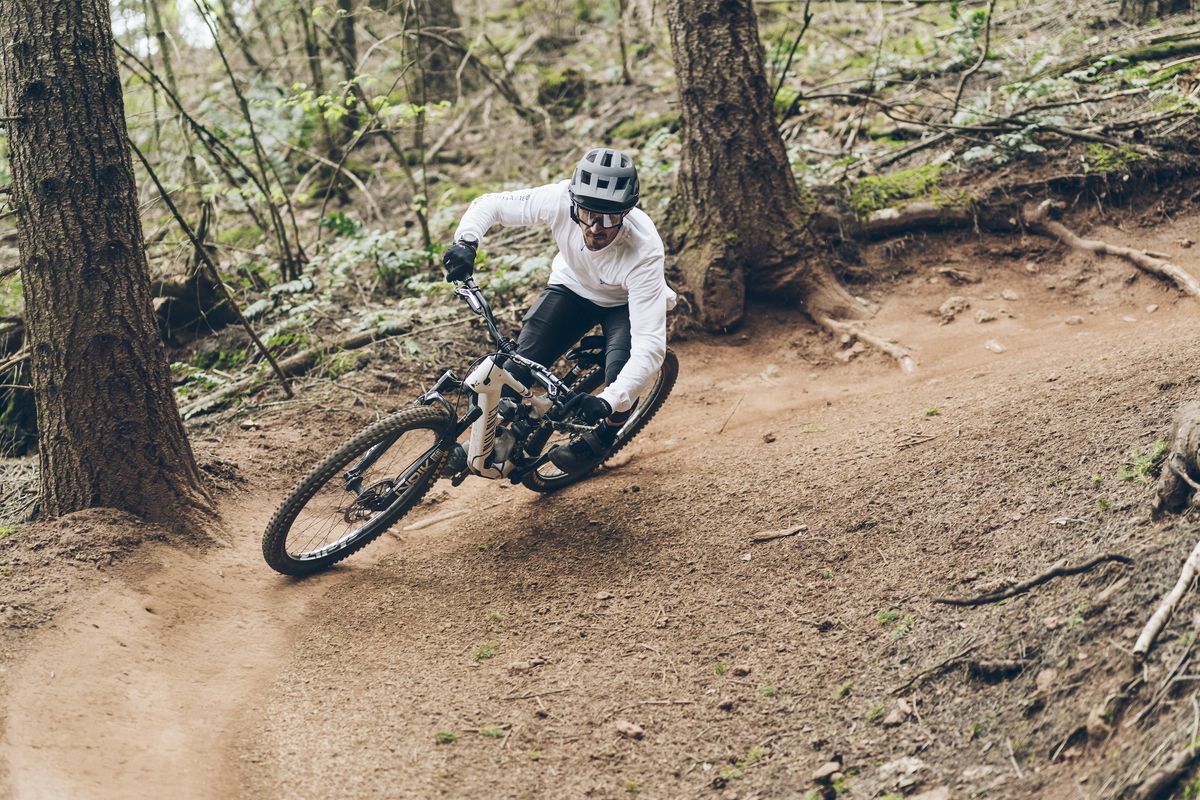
x=629, y=270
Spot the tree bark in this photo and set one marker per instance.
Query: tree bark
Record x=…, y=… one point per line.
x=436, y=76
x=738, y=219
x=349, y=44
x=109, y=430
x=1140, y=12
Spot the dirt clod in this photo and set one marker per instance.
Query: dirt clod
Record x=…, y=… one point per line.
x=952, y=307
x=825, y=772
x=1074, y=319
x=630, y=730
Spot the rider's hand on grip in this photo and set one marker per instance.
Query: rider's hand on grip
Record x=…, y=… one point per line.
x=459, y=261
x=588, y=407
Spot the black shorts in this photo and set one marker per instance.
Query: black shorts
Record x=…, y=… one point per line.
x=559, y=318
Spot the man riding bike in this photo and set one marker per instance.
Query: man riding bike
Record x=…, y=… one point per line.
x=608, y=271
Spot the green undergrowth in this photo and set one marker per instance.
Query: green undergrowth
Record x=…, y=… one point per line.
x=876, y=192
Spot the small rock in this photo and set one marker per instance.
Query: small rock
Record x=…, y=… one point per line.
x=741, y=670
x=897, y=715
x=940, y=793
x=983, y=315
x=725, y=705
x=771, y=373
x=747, y=557
x=1128, y=318
x=845, y=339
x=1074, y=319
x=974, y=774
x=525, y=666
x=907, y=765
x=603, y=596
x=635, y=488
x=768, y=437
x=1010, y=294
x=1032, y=268
x=844, y=356
x=994, y=346
x=952, y=307
x=1186, y=243
x=1150, y=309
x=825, y=772
x=630, y=730
x=249, y=425
x=1046, y=679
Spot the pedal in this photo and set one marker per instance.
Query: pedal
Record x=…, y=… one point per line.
x=459, y=478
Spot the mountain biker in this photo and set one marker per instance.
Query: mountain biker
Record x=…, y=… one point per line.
x=608, y=271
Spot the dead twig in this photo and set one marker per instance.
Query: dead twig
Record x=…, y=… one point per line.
x=1060, y=569
x=202, y=254
x=983, y=54
x=936, y=669
x=1163, y=778
x=770, y=536
x=1167, y=607
x=1039, y=221
x=731, y=413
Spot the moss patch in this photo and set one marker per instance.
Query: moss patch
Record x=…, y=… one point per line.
x=639, y=126
x=882, y=191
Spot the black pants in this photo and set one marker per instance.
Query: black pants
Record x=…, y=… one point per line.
x=557, y=320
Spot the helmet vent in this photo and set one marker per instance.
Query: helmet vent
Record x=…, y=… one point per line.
x=621, y=183
x=606, y=159
x=586, y=177
x=601, y=183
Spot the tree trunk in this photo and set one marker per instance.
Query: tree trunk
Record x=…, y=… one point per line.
x=349, y=45
x=738, y=219
x=109, y=431
x=1140, y=12
x=436, y=76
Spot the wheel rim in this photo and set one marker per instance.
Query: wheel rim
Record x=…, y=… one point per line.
x=335, y=517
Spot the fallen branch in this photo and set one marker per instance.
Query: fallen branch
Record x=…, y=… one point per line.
x=1057, y=571
x=302, y=362
x=770, y=536
x=903, y=357
x=1039, y=221
x=1157, y=620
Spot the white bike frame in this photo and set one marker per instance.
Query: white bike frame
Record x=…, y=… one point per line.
x=487, y=381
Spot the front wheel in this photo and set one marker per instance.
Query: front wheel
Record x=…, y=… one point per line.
x=358, y=491
x=549, y=478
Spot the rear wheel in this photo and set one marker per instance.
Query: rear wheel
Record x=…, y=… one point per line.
x=549, y=478
x=358, y=491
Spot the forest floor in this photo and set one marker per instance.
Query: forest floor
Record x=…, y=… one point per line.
x=536, y=631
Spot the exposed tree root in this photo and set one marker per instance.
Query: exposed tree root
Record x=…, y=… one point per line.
x=1177, y=489
x=1060, y=569
x=1158, y=783
x=903, y=357
x=1039, y=220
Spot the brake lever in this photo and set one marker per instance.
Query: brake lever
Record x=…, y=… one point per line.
x=470, y=297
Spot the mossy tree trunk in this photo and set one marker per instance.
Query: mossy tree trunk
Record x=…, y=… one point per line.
x=109, y=431
x=738, y=221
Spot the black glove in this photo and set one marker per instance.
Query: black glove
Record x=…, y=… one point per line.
x=459, y=261
x=589, y=407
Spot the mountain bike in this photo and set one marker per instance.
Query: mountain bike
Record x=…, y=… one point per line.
x=376, y=477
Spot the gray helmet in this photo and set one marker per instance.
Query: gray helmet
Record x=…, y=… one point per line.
x=605, y=181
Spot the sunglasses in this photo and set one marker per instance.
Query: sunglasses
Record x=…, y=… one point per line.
x=588, y=218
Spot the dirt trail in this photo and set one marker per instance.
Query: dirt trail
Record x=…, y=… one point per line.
x=528, y=626
x=137, y=692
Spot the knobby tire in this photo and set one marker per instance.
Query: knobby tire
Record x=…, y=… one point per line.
x=388, y=429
